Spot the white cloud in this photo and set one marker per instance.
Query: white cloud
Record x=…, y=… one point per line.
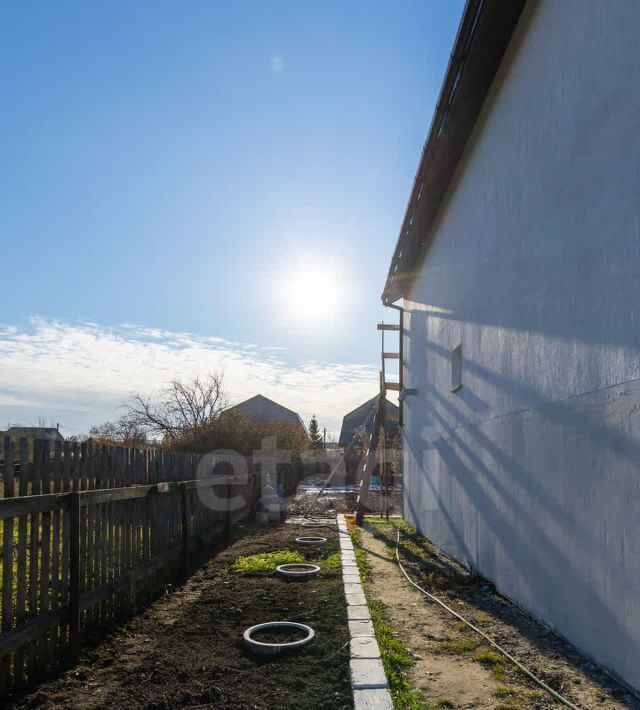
x=80, y=373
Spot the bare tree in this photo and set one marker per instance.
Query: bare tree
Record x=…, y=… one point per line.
x=181, y=406
x=121, y=432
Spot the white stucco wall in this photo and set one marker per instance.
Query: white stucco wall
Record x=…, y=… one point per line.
x=531, y=472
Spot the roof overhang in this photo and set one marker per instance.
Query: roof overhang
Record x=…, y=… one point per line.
x=484, y=33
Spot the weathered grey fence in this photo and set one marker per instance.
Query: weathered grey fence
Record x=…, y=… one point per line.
x=87, y=533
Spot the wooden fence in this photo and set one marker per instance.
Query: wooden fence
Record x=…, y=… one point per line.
x=88, y=532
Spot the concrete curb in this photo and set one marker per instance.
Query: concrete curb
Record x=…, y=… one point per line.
x=368, y=679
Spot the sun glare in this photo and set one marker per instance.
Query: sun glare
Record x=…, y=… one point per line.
x=312, y=294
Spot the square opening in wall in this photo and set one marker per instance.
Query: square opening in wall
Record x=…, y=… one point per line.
x=456, y=369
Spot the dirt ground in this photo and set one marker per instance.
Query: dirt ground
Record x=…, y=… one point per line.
x=332, y=501
x=186, y=649
x=449, y=669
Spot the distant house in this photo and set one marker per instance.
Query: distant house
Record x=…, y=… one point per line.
x=263, y=409
x=30, y=433
x=361, y=420
x=33, y=432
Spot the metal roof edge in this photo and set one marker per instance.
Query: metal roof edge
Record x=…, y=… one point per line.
x=485, y=30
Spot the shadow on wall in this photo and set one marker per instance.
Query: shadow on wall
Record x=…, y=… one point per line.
x=459, y=549
x=558, y=260
x=544, y=503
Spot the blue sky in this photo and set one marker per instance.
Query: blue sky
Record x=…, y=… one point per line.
x=179, y=175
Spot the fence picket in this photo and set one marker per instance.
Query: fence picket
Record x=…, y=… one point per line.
x=82, y=527
x=45, y=553
x=66, y=486
x=34, y=554
x=56, y=486
x=21, y=566
x=89, y=527
x=7, y=558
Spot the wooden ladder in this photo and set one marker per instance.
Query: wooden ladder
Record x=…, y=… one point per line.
x=377, y=440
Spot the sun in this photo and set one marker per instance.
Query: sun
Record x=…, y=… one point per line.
x=311, y=292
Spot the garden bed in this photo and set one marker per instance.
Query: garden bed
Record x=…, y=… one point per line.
x=187, y=650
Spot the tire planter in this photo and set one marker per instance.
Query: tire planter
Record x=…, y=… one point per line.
x=263, y=648
x=298, y=570
x=311, y=540
x=311, y=524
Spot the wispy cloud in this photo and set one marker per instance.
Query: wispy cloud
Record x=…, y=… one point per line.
x=80, y=373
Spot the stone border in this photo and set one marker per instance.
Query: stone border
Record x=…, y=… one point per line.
x=368, y=679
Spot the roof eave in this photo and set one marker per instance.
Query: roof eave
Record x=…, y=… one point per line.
x=484, y=33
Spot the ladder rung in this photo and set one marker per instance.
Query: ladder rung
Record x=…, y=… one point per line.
x=392, y=386
x=391, y=356
x=388, y=326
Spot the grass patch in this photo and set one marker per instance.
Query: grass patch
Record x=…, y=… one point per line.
x=488, y=658
x=482, y=619
x=265, y=562
x=457, y=646
x=435, y=571
x=361, y=555
x=395, y=657
x=332, y=561
x=363, y=565
x=396, y=660
x=535, y=694
x=494, y=661
x=499, y=673
x=412, y=541
x=506, y=691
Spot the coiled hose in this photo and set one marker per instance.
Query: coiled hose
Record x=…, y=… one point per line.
x=506, y=654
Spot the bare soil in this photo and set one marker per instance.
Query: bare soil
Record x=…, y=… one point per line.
x=448, y=669
x=332, y=501
x=186, y=649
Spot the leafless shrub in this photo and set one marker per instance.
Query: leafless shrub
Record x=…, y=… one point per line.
x=182, y=406
x=120, y=433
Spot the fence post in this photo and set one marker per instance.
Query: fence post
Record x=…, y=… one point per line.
x=74, y=574
x=253, y=498
x=229, y=515
x=257, y=490
x=186, y=530
x=7, y=561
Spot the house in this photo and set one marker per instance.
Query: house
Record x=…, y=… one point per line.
x=50, y=434
x=263, y=409
x=33, y=432
x=361, y=420
x=517, y=270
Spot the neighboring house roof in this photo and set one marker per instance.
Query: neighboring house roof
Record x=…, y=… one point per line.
x=34, y=432
x=263, y=409
x=484, y=33
x=362, y=416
